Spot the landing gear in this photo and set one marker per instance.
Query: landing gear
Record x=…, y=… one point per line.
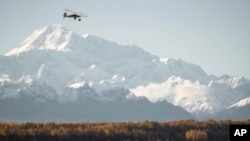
x=74, y=18
x=79, y=20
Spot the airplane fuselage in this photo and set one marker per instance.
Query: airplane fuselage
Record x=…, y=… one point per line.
x=71, y=16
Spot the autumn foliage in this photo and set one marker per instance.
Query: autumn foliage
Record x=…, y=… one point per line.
x=190, y=130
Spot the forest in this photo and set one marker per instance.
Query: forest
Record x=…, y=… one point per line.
x=181, y=130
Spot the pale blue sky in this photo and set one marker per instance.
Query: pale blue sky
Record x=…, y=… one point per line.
x=214, y=34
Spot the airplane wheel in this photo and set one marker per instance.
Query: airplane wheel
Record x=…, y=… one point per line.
x=79, y=19
x=74, y=18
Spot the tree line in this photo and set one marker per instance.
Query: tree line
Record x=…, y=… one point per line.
x=182, y=130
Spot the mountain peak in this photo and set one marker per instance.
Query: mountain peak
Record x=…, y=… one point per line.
x=241, y=103
x=50, y=37
x=102, y=69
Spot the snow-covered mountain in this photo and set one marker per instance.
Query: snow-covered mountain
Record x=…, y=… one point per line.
x=57, y=64
x=197, y=98
x=237, y=111
x=241, y=103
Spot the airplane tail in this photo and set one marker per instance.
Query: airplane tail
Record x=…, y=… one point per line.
x=65, y=14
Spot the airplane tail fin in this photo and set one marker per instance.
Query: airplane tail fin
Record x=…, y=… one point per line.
x=65, y=14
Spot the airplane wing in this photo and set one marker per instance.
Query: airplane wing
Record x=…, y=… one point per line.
x=75, y=13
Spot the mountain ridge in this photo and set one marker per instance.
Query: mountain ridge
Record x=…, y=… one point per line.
x=67, y=62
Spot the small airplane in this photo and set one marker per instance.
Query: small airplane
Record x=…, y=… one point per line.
x=73, y=14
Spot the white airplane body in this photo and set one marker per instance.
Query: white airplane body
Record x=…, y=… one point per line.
x=73, y=14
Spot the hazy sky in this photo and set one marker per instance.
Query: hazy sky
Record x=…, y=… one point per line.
x=214, y=34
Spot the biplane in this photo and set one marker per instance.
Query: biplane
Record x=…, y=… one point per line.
x=73, y=14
